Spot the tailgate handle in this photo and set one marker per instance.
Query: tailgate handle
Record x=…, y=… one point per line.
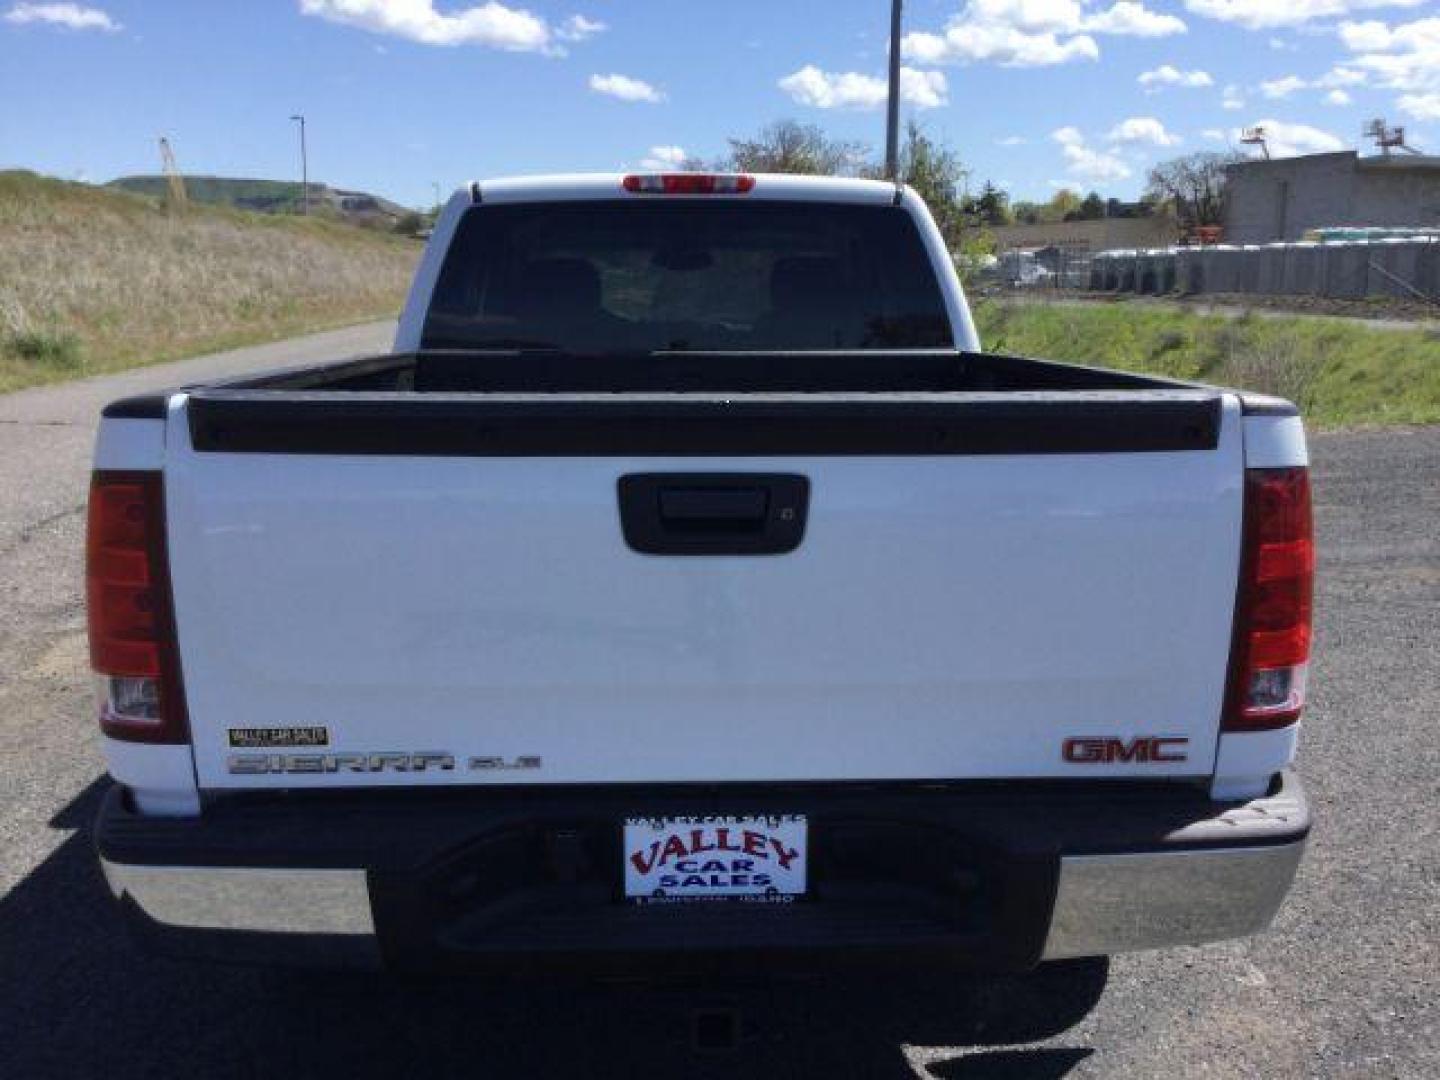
x=713, y=513
x=720, y=509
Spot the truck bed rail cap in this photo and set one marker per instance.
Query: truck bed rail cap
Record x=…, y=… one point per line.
x=583, y=186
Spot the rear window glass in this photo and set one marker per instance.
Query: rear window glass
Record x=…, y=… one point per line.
x=647, y=276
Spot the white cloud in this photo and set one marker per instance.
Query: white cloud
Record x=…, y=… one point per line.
x=1334, y=80
x=1033, y=33
x=1144, y=130
x=1292, y=140
x=1267, y=14
x=1282, y=88
x=624, y=88
x=1170, y=75
x=1214, y=135
x=1421, y=106
x=1001, y=45
x=1012, y=140
x=1084, y=162
x=70, y=16
x=1404, y=57
x=1133, y=20
x=491, y=25
x=1281, y=45
x=853, y=90
x=1369, y=36
x=578, y=28
x=1340, y=76
x=1232, y=97
x=664, y=158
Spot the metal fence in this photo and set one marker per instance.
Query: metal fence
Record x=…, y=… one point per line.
x=1049, y=268
x=1348, y=270
x=1406, y=267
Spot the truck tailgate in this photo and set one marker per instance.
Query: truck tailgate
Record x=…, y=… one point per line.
x=965, y=598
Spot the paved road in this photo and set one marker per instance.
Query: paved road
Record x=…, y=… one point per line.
x=1345, y=985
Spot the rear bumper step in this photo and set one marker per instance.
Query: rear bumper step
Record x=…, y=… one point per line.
x=987, y=877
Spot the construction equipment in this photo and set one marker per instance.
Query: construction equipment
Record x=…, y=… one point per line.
x=1255, y=136
x=178, y=199
x=1387, y=138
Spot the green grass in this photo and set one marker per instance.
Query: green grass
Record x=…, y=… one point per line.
x=1340, y=373
x=96, y=279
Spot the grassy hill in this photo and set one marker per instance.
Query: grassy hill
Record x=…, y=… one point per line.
x=263, y=196
x=94, y=279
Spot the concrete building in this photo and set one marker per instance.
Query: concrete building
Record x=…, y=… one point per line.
x=1274, y=200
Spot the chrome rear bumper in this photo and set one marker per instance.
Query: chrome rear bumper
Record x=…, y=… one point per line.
x=264, y=900
x=1105, y=903
x=1119, y=903
x=1066, y=873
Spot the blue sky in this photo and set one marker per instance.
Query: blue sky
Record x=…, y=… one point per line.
x=403, y=94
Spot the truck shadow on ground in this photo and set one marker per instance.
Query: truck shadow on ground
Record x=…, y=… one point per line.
x=77, y=999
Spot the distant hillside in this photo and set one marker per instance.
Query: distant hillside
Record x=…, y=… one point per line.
x=93, y=279
x=266, y=196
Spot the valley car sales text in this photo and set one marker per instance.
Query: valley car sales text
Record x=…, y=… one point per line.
x=718, y=857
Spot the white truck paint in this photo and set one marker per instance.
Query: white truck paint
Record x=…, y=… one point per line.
x=948, y=618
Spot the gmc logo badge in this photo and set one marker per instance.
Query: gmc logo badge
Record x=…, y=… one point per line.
x=1106, y=750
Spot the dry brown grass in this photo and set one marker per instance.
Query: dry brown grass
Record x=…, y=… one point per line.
x=95, y=280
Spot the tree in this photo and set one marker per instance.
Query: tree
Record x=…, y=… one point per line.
x=1063, y=203
x=1194, y=184
x=938, y=175
x=931, y=167
x=991, y=207
x=1028, y=213
x=1092, y=207
x=788, y=146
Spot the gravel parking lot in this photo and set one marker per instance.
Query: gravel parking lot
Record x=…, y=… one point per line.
x=1347, y=983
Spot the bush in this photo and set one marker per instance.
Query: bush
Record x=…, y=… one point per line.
x=1278, y=365
x=408, y=224
x=60, y=352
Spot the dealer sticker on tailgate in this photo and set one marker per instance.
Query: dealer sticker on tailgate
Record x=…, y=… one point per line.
x=671, y=859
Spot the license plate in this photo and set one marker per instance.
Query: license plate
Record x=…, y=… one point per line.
x=757, y=858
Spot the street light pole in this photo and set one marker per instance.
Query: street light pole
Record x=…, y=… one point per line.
x=892, y=118
x=304, y=167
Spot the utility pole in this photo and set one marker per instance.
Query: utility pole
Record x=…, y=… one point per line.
x=892, y=118
x=304, y=167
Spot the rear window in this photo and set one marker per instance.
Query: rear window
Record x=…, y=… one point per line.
x=647, y=276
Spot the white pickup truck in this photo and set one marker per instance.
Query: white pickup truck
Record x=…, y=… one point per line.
x=687, y=584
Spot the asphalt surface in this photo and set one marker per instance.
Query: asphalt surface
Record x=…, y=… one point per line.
x=1346, y=984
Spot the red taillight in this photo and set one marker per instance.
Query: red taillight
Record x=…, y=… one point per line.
x=689, y=183
x=1273, y=609
x=132, y=626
